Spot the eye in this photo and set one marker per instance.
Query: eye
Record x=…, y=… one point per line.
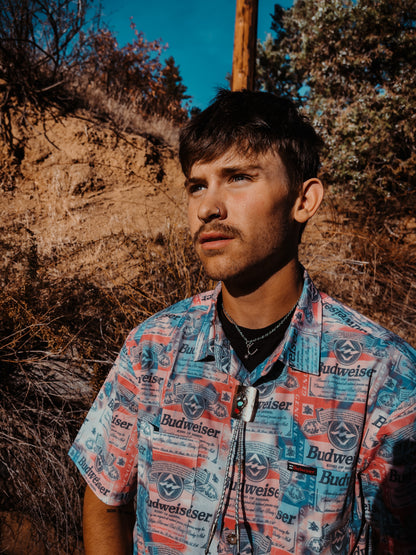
x=240, y=177
x=194, y=188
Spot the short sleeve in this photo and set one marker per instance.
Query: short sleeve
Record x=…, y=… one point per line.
x=105, y=449
x=389, y=484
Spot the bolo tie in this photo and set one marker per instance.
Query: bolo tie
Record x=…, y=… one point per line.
x=243, y=411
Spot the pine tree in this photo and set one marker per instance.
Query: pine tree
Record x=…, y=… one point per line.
x=172, y=81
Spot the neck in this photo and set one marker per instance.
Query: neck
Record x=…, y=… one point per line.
x=267, y=303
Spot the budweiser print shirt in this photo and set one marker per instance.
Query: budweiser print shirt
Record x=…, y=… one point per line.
x=329, y=457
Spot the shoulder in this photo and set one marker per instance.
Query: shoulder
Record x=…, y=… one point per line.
x=351, y=330
x=175, y=317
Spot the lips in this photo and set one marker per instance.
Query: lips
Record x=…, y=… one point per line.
x=213, y=236
x=214, y=240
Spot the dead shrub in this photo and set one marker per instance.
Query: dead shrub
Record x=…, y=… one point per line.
x=369, y=268
x=56, y=347
x=58, y=342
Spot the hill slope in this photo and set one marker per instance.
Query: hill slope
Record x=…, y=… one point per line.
x=92, y=242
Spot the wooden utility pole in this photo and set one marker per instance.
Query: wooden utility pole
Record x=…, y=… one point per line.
x=245, y=42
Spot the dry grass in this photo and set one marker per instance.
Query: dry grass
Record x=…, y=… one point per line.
x=67, y=302
x=59, y=336
x=373, y=271
x=61, y=333
x=125, y=118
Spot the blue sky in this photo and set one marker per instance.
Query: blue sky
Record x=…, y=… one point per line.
x=199, y=33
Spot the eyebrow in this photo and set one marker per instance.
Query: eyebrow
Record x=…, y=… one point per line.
x=240, y=169
x=191, y=180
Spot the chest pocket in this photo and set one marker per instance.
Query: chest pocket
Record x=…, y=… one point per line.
x=166, y=478
x=296, y=498
x=311, y=507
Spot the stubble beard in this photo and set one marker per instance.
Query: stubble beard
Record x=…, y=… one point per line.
x=210, y=258
x=249, y=268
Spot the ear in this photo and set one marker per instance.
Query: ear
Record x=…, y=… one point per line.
x=308, y=201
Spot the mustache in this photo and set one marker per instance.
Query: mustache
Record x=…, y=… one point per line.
x=227, y=230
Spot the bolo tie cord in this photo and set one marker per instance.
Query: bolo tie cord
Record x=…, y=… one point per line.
x=240, y=452
x=236, y=448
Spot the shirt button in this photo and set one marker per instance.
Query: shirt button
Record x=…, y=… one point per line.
x=232, y=538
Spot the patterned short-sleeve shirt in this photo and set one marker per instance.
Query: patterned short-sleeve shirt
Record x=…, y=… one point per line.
x=327, y=463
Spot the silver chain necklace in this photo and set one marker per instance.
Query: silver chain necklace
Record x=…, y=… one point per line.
x=250, y=342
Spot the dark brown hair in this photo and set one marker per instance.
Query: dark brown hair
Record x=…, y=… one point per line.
x=255, y=123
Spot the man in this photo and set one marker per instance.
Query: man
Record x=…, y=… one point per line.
x=264, y=416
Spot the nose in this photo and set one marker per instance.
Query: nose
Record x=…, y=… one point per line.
x=211, y=208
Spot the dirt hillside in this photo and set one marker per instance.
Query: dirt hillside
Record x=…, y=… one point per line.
x=86, y=189
x=82, y=185
x=92, y=241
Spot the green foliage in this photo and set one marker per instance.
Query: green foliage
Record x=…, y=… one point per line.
x=175, y=90
x=172, y=80
x=351, y=65
x=275, y=71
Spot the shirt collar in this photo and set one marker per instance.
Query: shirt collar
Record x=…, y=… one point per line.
x=302, y=346
x=204, y=348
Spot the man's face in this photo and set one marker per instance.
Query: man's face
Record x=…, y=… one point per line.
x=240, y=217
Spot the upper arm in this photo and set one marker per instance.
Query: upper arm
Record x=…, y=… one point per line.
x=389, y=482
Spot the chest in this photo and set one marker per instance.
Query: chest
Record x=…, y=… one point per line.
x=298, y=458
